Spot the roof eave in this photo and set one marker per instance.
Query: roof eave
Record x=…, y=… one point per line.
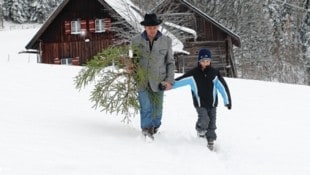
x=53, y=15
x=234, y=36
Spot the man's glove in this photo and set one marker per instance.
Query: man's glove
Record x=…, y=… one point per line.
x=228, y=106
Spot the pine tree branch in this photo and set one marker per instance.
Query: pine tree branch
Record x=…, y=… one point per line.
x=115, y=89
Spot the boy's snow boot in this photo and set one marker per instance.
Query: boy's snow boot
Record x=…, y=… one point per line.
x=201, y=133
x=210, y=144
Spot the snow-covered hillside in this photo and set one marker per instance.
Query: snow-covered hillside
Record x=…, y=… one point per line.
x=47, y=127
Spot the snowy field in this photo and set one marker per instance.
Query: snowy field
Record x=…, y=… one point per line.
x=47, y=127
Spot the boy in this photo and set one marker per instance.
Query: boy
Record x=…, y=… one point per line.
x=205, y=81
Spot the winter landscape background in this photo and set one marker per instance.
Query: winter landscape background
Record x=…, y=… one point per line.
x=47, y=127
x=275, y=34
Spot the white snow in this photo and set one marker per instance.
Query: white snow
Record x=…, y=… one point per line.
x=13, y=40
x=47, y=127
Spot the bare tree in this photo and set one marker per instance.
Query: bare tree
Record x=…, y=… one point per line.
x=275, y=37
x=181, y=23
x=1, y=17
x=127, y=25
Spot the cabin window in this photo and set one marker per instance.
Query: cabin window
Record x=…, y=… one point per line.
x=80, y=26
x=67, y=61
x=99, y=25
x=102, y=25
x=75, y=27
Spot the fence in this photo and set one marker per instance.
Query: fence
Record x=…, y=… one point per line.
x=18, y=58
x=5, y=25
x=18, y=26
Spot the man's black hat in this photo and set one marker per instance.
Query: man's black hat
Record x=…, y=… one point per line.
x=151, y=20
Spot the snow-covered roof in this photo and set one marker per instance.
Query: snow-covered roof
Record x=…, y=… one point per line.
x=183, y=28
x=177, y=45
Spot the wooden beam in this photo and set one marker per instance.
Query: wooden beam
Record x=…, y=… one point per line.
x=230, y=55
x=204, y=43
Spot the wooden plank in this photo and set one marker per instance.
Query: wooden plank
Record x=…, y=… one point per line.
x=204, y=43
x=195, y=57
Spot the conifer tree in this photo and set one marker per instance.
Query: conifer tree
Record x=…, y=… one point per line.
x=116, y=78
x=19, y=11
x=39, y=10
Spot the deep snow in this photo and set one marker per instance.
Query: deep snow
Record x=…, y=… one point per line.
x=47, y=127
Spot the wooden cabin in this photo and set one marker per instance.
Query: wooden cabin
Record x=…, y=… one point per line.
x=75, y=32
x=78, y=29
x=210, y=34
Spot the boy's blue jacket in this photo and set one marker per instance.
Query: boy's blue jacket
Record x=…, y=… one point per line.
x=204, y=86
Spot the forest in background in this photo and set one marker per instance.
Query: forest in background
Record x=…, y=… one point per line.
x=275, y=34
x=275, y=37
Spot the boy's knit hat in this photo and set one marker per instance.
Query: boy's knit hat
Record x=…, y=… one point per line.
x=204, y=54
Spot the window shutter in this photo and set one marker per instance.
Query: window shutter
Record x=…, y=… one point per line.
x=91, y=24
x=67, y=27
x=107, y=24
x=83, y=26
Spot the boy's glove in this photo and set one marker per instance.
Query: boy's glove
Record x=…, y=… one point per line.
x=228, y=106
x=162, y=86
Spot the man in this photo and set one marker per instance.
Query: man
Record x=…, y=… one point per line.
x=153, y=54
x=205, y=81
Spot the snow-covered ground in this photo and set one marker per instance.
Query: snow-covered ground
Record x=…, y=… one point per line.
x=14, y=41
x=47, y=127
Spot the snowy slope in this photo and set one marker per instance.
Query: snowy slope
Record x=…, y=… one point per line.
x=47, y=127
